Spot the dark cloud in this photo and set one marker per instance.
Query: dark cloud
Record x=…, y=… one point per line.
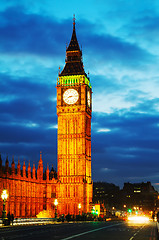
x=31, y=33
x=108, y=48
x=27, y=114
x=23, y=98
x=145, y=28
x=130, y=149
x=23, y=32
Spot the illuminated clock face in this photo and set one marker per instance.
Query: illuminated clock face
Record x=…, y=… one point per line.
x=70, y=96
x=88, y=99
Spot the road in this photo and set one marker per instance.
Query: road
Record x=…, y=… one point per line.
x=81, y=231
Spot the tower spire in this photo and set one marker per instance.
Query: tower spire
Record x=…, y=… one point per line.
x=40, y=161
x=74, y=21
x=73, y=63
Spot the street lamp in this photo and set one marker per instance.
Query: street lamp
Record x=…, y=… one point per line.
x=79, y=207
x=55, y=203
x=4, y=197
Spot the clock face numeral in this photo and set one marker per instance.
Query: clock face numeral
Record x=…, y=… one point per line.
x=88, y=99
x=70, y=96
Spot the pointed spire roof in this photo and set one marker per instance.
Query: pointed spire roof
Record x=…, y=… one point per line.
x=47, y=167
x=47, y=170
x=74, y=64
x=34, y=171
x=29, y=167
x=13, y=164
x=24, y=164
x=18, y=162
x=73, y=46
x=40, y=161
x=18, y=167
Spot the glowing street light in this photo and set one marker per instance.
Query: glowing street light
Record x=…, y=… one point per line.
x=55, y=203
x=4, y=197
x=79, y=207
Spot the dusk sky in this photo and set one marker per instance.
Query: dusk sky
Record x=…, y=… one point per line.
x=120, y=45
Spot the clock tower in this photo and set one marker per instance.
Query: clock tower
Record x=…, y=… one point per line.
x=74, y=107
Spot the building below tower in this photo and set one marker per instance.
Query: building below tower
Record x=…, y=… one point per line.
x=29, y=191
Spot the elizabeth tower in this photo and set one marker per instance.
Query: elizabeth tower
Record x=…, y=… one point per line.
x=74, y=107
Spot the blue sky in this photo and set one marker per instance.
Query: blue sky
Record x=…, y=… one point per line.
x=119, y=40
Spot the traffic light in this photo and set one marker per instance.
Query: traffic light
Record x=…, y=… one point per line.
x=129, y=210
x=96, y=212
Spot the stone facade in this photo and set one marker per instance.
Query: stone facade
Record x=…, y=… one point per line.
x=29, y=191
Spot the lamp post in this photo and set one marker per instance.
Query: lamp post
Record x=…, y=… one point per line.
x=55, y=203
x=4, y=197
x=79, y=207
